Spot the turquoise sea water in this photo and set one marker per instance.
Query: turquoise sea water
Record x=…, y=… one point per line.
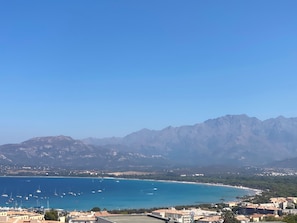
x=86, y=193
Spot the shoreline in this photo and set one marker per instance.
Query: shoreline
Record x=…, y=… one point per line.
x=248, y=191
x=255, y=191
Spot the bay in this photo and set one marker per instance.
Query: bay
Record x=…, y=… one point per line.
x=108, y=193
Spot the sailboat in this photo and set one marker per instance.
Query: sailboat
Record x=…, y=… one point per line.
x=4, y=194
x=38, y=190
x=10, y=198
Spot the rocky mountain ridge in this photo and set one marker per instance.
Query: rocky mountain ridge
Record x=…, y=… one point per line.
x=229, y=140
x=65, y=152
x=235, y=139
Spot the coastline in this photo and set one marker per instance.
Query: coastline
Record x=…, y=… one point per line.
x=248, y=191
x=255, y=191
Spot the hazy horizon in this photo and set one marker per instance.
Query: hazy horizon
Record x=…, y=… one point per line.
x=37, y=136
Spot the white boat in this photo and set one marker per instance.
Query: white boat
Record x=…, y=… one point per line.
x=38, y=190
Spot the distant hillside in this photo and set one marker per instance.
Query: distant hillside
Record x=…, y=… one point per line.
x=287, y=163
x=231, y=139
x=63, y=151
x=236, y=140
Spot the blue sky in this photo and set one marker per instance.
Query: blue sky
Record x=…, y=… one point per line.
x=109, y=68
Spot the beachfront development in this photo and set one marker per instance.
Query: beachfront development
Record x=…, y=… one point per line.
x=243, y=212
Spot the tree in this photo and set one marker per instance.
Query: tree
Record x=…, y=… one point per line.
x=51, y=215
x=95, y=209
x=271, y=218
x=229, y=217
x=290, y=219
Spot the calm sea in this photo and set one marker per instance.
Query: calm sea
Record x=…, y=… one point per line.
x=86, y=193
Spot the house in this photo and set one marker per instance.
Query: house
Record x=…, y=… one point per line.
x=279, y=202
x=82, y=217
x=83, y=220
x=181, y=216
x=3, y=218
x=3, y=213
x=292, y=202
x=260, y=209
x=257, y=217
x=211, y=219
x=231, y=204
x=292, y=199
x=101, y=214
x=269, y=210
x=25, y=215
x=248, y=210
x=242, y=219
x=133, y=218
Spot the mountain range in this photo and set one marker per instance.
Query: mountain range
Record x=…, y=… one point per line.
x=237, y=140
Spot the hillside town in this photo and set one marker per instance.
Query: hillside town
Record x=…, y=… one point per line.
x=240, y=212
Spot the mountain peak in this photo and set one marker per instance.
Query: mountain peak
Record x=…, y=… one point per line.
x=231, y=120
x=235, y=139
x=49, y=139
x=235, y=117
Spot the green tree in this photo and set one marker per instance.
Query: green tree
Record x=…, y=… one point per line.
x=290, y=219
x=229, y=217
x=271, y=218
x=95, y=209
x=51, y=215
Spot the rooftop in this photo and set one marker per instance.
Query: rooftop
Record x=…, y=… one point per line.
x=133, y=219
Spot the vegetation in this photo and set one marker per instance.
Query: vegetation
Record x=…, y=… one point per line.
x=134, y=211
x=280, y=186
x=229, y=217
x=271, y=218
x=51, y=215
x=290, y=219
x=95, y=209
x=284, y=186
x=271, y=186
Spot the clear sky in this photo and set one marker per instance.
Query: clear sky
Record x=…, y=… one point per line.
x=108, y=68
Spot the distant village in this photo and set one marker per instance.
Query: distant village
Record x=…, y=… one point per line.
x=243, y=212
